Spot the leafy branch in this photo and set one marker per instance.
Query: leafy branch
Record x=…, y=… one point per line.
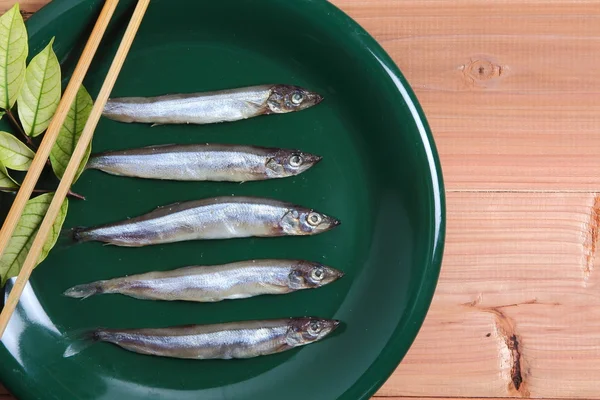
x=17, y=126
x=34, y=90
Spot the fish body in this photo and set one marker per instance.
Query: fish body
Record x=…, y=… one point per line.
x=211, y=107
x=215, y=283
x=204, y=162
x=214, y=218
x=245, y=339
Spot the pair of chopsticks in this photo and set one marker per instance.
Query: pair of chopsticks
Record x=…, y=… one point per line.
x=49, y=139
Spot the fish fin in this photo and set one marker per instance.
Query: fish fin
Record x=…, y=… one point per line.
x=65, y=240
x=75, y=234
x=167, y=206
x=84, y=291
x=80, y=341
x=283, y=347
x=159, y=145
x=70, y=236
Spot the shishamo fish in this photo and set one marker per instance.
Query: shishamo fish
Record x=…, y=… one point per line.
x=204, y=162
x=244, y=339
x=216, y=282
x=211, y=107
x=214, y=218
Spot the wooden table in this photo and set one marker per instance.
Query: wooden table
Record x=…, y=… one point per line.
x=512, y=93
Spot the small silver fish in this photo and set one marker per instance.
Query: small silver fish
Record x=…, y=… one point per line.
x=211, y=107
x=244, y=339
x=214, y=218
x=205, y=162
x=237, y=280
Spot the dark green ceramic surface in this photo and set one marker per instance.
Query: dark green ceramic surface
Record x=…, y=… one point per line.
x=379, y=175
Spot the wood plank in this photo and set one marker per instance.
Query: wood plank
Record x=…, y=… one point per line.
x=509, y=88
x=517, y=309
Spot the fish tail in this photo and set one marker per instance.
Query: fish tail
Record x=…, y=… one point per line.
x=69, y=237
x=92, y=163
x=80, y=342
x=79, y=234
x=86, y=290
x=117, y=111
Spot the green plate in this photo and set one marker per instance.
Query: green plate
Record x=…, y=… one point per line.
x=380, y=176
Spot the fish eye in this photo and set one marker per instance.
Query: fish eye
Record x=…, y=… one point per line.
x=314, y=219
x=295, y=160
x=314, y=328
x=317, y=273
x=297, y=97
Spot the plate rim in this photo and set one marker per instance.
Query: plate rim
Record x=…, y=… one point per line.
x=426, y=290
x=395, y=351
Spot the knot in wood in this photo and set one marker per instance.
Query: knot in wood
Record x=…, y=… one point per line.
x=481, y=72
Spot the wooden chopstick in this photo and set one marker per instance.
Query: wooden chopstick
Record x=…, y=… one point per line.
x=39, y=161
x=77, y=156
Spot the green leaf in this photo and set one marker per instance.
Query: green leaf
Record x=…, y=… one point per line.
x=2, y=114
x=5, y=180
x=27, y=227
x=69, y=134
x=14, y=154
x=13, y=54
x=40, y=93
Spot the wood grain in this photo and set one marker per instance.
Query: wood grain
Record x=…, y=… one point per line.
x=517, y=308
x=511, y=89
x=512, y=93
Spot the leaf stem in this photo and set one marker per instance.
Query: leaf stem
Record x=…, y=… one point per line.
x=76, y=195
x=17, y=126
x=70, y=193
x=15, y=123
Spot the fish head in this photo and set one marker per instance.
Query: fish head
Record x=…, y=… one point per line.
x=308, y=330
x=303, y=221
x=285, y=163
x=288, y=98
x=308, y=274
